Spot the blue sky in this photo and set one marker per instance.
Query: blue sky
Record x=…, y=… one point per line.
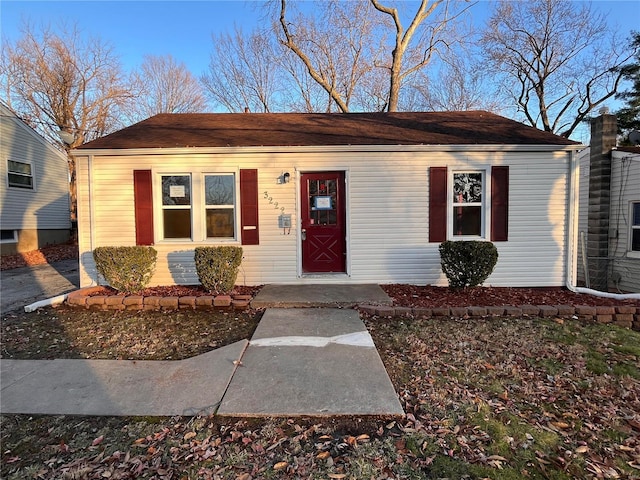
x=184, y=28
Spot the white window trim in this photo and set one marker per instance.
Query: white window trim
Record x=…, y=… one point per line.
x=13, y=240
x=485, y=206
x=632, y=253
x=33, y=176
x=205, y=207
x=198, y=207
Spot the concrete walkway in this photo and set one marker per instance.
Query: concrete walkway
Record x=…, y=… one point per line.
x=319, y=361
x=320, y=296
x=311, y=361
x=20, y=287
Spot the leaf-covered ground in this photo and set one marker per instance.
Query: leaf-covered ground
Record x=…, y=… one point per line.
x=68, y=332
x=485, y=398
x=48, y=254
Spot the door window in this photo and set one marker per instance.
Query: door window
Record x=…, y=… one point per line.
x=323, y=202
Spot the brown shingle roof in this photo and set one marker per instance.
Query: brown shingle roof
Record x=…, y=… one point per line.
x=295, y=129
x=629, y=149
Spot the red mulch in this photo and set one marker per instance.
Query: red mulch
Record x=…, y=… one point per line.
x=48, y=254
x=433, y=297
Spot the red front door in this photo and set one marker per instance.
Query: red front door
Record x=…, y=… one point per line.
x=323, y=222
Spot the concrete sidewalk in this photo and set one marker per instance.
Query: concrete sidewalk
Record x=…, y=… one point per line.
x=20, y=287
x=194, y=386
x=312, y=361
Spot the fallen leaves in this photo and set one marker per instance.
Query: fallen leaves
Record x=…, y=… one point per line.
x=479, y=396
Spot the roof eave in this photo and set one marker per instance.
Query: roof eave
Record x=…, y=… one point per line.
x=325, y=149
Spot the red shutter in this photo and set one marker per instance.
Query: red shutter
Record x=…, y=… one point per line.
x=250, y=233
x=499, y=204
x=143, y=206
x=437, y=204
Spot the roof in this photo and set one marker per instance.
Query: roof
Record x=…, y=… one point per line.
x=320, y=129
x=628, y=149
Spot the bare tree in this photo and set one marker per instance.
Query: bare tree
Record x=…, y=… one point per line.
x=64, y=82
x=557, y=60
x=353, y=29
x=337, y=47
x=415, y=46
x=164, y=85
x=243, y=72
x=458, y=85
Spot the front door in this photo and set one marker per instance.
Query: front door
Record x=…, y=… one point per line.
x=323, y=222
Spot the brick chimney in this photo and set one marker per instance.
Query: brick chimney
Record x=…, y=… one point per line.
x=603, y=139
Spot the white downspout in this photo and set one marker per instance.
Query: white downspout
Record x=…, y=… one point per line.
x=572, y=238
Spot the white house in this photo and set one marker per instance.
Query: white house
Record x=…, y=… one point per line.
x=34, y=189
x=332, y=198
x=609, y=218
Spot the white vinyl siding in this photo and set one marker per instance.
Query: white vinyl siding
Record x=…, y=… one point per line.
x=387, y=214
x=46, y=206
x=625, y=190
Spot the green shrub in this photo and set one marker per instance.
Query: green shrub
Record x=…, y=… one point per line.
x=217, y=267
x=127, y=269
x=467, y=263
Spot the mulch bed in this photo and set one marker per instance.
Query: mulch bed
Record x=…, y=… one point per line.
x=435, y=297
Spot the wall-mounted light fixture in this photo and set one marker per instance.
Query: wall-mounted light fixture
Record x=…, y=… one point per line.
x=286, y=177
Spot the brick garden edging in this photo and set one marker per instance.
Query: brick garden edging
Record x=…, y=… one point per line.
x=90, y=298
x=623, y=316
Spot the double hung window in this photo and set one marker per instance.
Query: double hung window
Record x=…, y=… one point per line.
x=220, y=205
x=176, y=206
x=20, y=174
x=468, y=204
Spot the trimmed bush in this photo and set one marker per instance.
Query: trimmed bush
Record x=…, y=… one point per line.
x=467, y=263
x=127, y=269
x=217, y=267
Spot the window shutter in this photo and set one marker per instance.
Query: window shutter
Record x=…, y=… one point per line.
x=143, y=206
x=250, y=234
x=437, y=204
x=499, y=204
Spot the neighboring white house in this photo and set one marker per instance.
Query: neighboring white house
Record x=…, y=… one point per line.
x=34, y=188
x=609, y=218
x=332, y=198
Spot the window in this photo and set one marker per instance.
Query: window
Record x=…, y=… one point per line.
x=8, y=236
x=468, y=204
x=219, y=204
x=20, y=174
x=176, y=206
x=198, y=206
x=635, y=227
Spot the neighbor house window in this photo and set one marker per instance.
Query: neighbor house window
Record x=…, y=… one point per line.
x=220, y=205
x=176, y=206
x=635, y=227
x=20, y=174
x=468, y=208
x=8, y=236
